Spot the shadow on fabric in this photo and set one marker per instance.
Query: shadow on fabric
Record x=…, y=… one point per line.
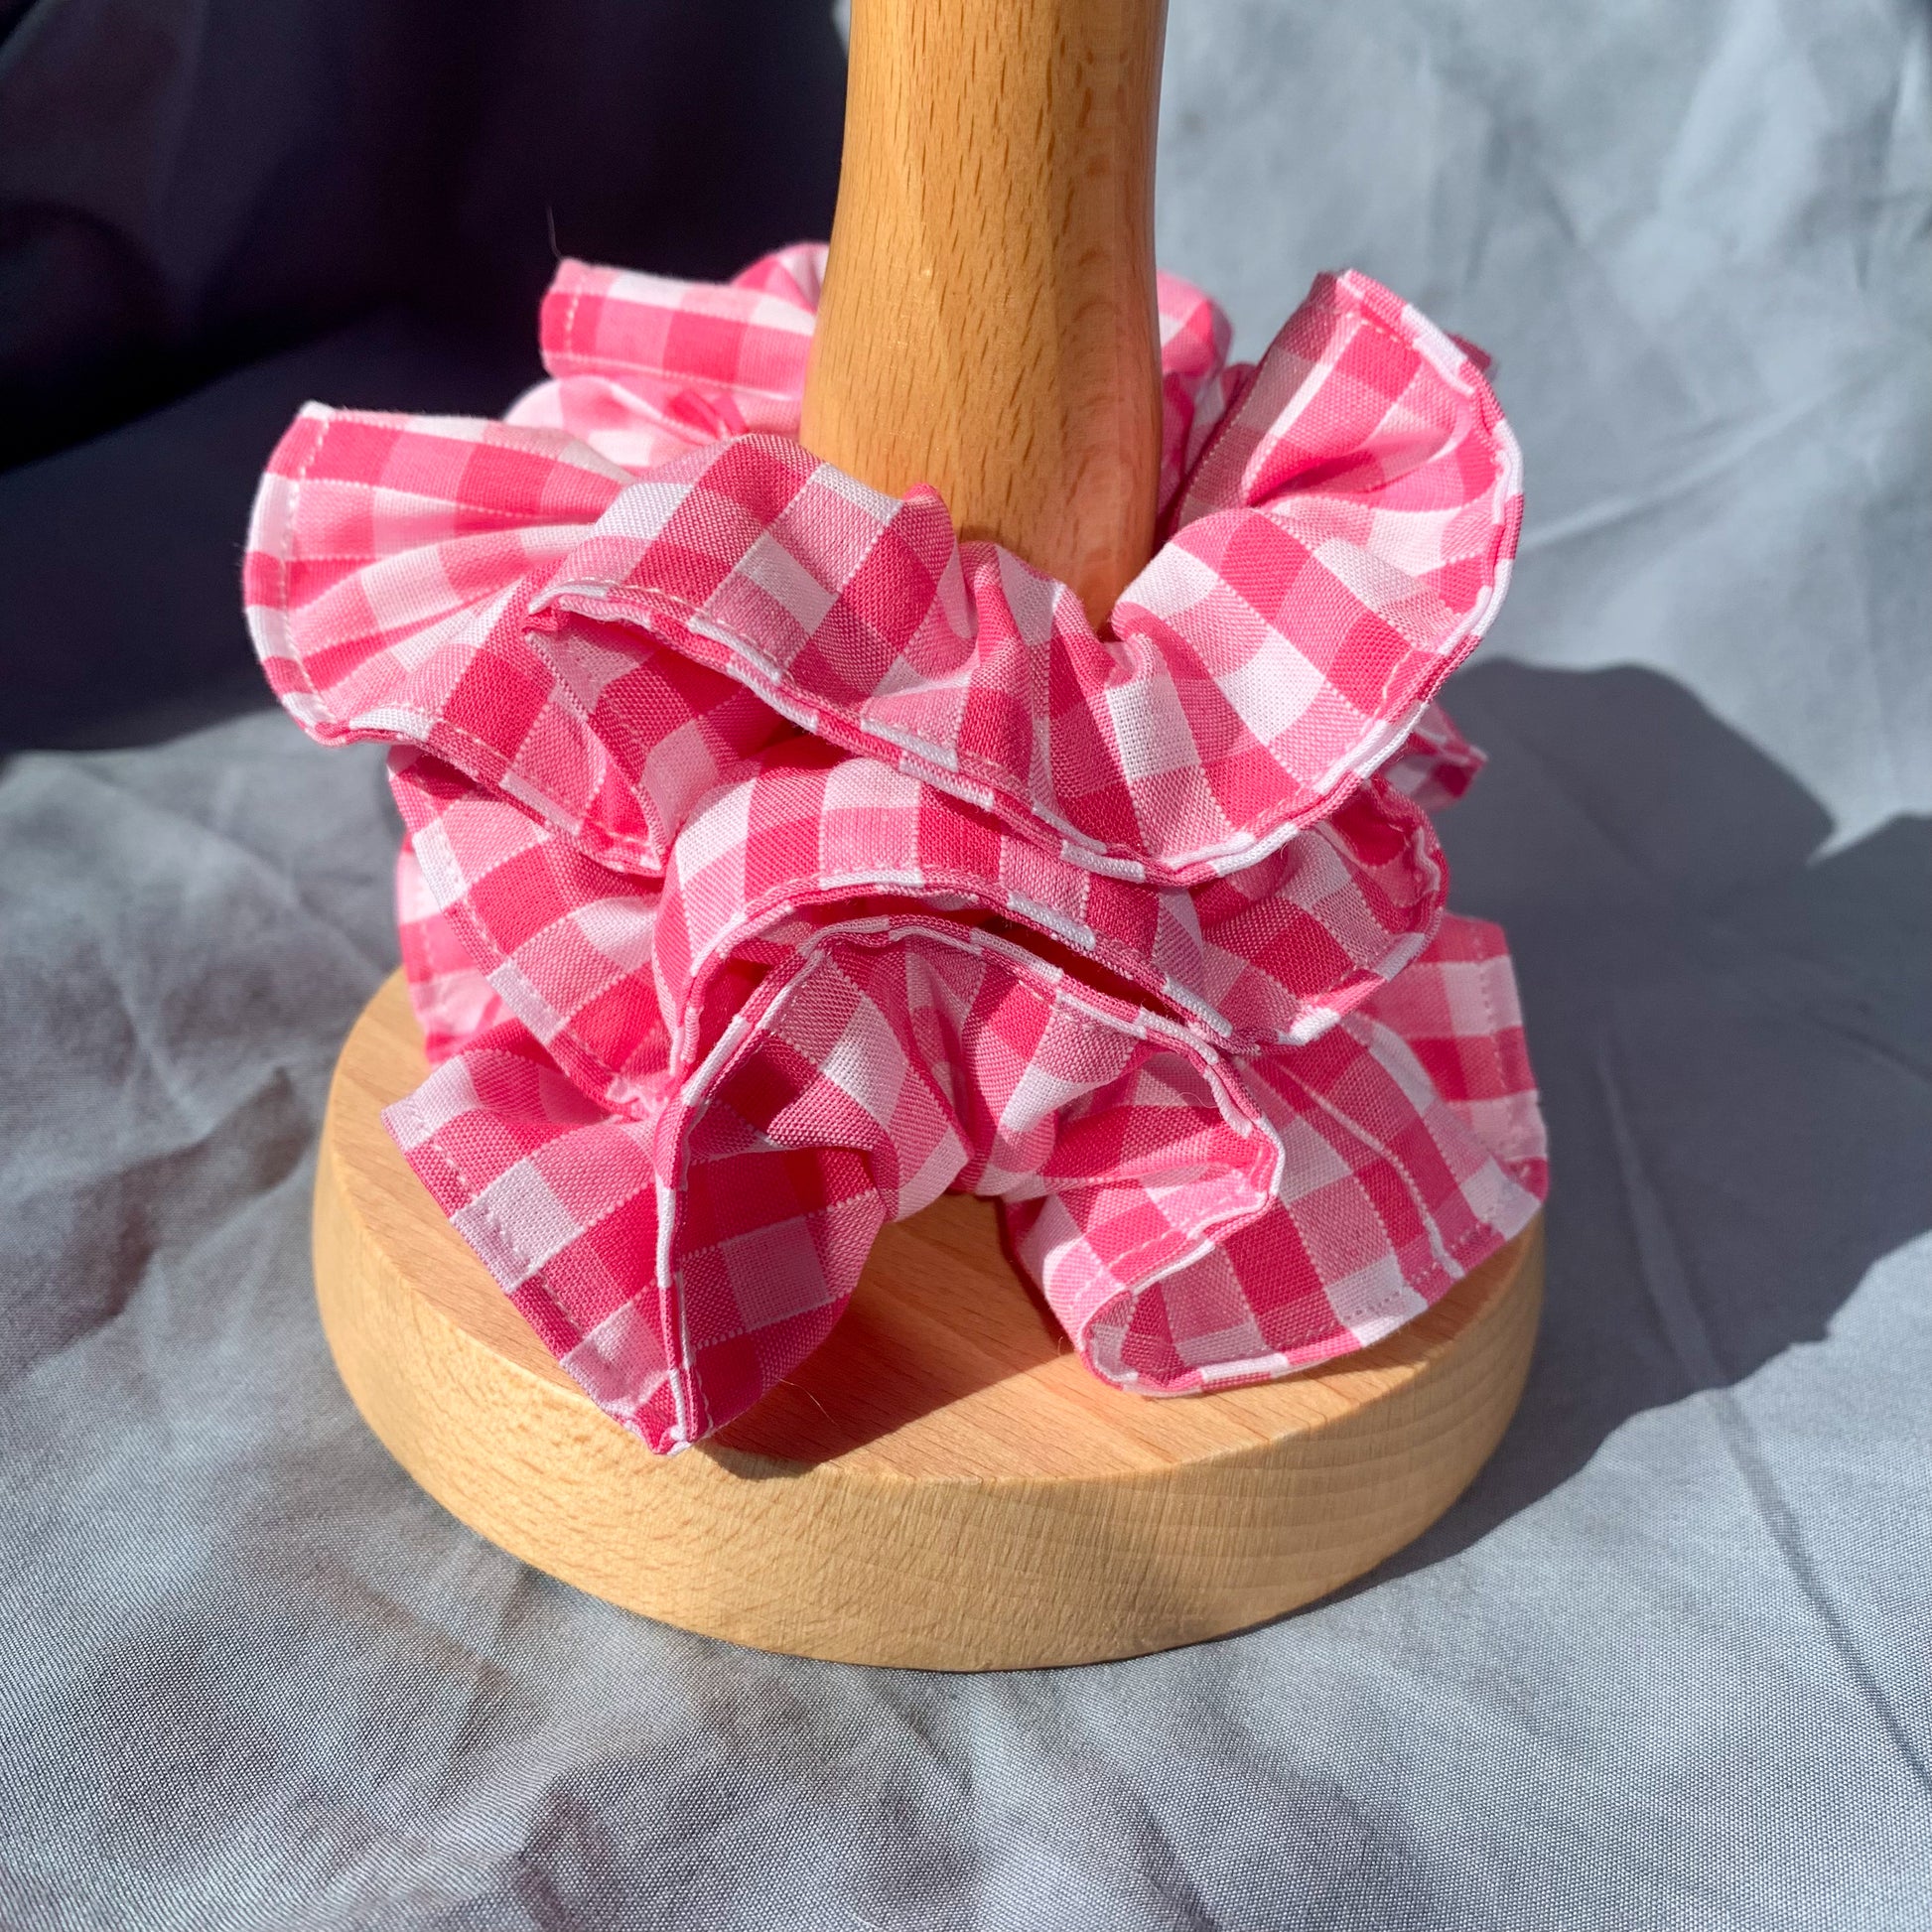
x=1731, y=1029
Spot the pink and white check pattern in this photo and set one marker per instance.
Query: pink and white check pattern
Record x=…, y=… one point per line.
x=777, y=862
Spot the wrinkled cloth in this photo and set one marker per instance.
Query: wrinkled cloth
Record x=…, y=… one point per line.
x=776, y=861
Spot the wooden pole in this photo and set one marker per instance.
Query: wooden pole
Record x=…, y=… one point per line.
x=987, y=324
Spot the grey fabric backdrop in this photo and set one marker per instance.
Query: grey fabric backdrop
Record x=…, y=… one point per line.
x=1667, y=1665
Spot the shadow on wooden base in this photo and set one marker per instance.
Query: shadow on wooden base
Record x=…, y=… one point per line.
x=943, y=1484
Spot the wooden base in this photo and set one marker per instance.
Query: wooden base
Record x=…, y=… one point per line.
x=943, y=1484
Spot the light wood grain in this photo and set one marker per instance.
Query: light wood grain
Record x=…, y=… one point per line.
x=988, y=322
x=943, y=1484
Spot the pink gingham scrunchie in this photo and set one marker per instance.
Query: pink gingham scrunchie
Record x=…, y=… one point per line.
x=777, y=862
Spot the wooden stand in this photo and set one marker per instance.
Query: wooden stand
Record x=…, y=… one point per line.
x=943, y=1484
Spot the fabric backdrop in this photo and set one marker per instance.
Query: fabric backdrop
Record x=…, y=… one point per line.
x=1667, y=1664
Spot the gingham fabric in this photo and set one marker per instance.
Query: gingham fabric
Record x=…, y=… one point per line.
x=777, y=862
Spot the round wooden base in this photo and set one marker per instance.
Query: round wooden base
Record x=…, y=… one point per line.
x=943, y=1484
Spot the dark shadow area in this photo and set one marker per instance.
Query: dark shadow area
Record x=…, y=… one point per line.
x=122, y=556
x=210, y=213
x=1733, y=1034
